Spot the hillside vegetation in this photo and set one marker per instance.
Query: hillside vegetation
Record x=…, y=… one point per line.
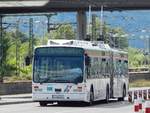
x=16, y=48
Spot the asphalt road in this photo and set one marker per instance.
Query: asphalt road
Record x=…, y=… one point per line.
x=99, y=107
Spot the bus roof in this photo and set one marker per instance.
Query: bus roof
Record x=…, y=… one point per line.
x=87, y=45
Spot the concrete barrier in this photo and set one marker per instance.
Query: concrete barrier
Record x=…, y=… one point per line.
x=133, y=76
x=15, y=88
x=26, y=87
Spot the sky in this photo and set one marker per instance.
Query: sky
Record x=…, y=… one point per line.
x=135, y=23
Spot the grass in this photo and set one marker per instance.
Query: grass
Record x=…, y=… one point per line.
x=15, y=78
x=137, y=83
x=140, y=83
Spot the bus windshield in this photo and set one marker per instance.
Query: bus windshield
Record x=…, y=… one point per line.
x=53, y=67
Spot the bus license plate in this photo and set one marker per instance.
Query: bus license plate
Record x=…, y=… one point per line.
x=58, y=96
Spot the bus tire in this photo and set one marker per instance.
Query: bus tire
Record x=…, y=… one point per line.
x=107, y=95
x=43, y=103
x=91, y=100
x=123, y=94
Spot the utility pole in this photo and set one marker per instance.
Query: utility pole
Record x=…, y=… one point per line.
x=30, y=38
x=94, y=27
x=1, y=48
x=149, y=45
x=101, y=24
x=48, y=21
x=17, y=50
x=89, y=28
x=149, y=50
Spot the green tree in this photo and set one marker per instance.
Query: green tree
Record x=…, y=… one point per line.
x=5, y=46
x=63, y=32
x=120, y=39
x=136, y=58
x=10, y=41
x=113, y=36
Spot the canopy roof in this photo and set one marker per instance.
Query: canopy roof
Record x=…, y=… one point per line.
x=43, y=6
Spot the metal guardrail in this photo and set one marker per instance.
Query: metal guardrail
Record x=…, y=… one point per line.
x=139, y=70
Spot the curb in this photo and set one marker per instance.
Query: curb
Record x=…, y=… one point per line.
x=25, y=97
x=17, y=102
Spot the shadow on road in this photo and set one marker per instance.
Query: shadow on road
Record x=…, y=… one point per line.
x=98, y=104
x=111, y=104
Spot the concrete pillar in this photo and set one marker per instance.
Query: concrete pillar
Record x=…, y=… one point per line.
x=81, y=25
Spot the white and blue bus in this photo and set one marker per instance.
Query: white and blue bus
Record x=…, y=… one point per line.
x=73, y=70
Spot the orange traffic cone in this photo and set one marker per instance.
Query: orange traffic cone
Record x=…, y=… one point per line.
x=140, y=104
x=136, y=106
x=147, y=107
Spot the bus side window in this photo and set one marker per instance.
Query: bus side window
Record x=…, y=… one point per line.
x=107, y=68
x=120, y=68
x=115, y=68
x=103, y=66
x=88, y=66
x=91, y=68
x=96, y=67
x=126, y=67
x=99, y=67
x=123, y=68
x=110, y=67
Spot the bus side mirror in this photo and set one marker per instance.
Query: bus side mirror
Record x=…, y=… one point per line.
x=27, y=60
x=87, y=60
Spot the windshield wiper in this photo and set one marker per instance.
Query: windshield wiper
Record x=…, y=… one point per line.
x=45, y=80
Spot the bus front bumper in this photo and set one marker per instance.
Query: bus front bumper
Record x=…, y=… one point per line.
x=61, y=97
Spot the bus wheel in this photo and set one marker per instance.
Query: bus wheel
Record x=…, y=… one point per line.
x=43, y=103
x=107, y=95
x=91, y=98
x=123, y=94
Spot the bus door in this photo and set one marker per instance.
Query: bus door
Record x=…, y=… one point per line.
x=115, y=79
x=120, y=77
x=111, y=75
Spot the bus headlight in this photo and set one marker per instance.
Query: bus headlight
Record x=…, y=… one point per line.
x=80, y=88
x=36, y=88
